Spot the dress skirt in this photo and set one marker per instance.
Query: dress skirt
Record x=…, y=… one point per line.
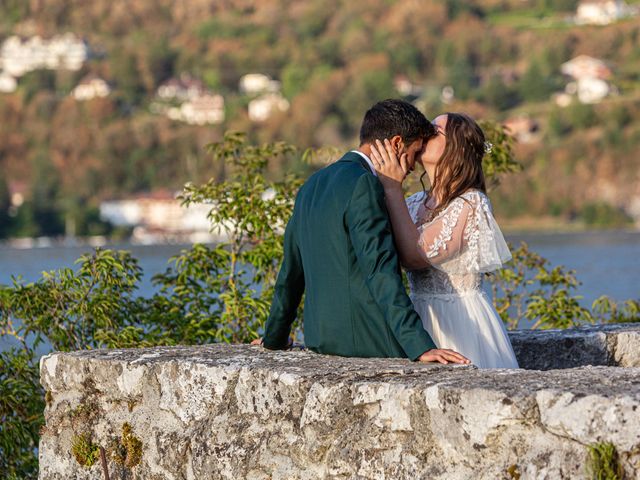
x=467, y=323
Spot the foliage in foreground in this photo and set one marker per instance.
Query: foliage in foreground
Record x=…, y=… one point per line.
x=21, y=407
x=215, y=293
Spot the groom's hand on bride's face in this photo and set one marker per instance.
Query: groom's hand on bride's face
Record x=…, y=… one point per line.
x=444, y=356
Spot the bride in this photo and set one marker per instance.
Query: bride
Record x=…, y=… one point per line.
x=448, y=238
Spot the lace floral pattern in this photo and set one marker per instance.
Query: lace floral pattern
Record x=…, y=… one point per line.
x=461, y=243
x=435, y=282
x=449, y=221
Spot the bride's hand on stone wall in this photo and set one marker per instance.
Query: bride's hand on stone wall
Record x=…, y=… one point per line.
x=444, y=356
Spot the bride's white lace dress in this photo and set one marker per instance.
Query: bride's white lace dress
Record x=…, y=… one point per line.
x=461, y=243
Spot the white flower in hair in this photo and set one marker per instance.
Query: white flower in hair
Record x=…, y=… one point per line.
x=488, y=147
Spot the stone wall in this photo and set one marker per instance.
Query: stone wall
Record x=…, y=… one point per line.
x=608, y=345
x=240, y=412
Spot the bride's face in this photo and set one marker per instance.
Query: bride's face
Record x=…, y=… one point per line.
x=434, y=147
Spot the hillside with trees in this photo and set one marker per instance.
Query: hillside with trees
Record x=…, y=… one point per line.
x=496, y=59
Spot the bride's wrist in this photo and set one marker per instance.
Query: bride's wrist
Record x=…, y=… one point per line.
x=393, y=188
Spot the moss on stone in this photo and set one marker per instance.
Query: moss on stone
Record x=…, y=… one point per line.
x=85, y=452
x=131, y=403
x=603, y=462
x=48, y=397
x=513, y=472
x=127, y=451
x=84, y=409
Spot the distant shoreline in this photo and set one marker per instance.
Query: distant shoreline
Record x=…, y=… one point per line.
x=553, y=225
x=27, y=243
x=567, y=229
x=509, y=230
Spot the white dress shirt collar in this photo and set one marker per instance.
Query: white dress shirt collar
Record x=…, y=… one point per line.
x=373, y=170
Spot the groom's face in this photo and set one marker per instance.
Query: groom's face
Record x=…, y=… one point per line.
x=412, y=152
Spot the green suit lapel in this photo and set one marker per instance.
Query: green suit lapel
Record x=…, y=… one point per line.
x=356, y=157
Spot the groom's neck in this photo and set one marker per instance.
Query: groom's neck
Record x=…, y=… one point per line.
x=366, y=149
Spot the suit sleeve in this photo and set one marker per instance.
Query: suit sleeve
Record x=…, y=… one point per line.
x=288, y=292
x=370, y=231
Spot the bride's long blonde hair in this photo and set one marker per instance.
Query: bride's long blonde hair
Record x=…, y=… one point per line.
x=460, y=167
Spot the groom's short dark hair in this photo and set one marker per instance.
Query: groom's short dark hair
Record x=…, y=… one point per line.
x=394, y=117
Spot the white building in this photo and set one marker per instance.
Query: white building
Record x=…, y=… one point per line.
x=562, y=99
x=91, y=87
x=523, y=128
x=8, y=84
x=183, y=88
x=266, y=105
x=159, y=217
x=69, y=51
x=447, y=95
x=203, y=110
x=18, y=57
x=405, y=87
x=592, y=90
x=584, y=66
x=589, y=76
x=257, y=83
x=601, y=12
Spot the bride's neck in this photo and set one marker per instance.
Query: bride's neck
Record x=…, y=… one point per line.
x=431, y=173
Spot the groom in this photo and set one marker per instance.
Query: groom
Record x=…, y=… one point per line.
x=338, y=247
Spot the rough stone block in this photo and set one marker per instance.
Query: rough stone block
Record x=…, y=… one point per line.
x=241, y=412
x=612, y=345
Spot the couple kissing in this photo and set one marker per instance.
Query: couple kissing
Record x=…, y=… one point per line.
x=352, y=230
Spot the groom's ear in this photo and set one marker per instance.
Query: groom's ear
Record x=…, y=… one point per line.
x=397, y=144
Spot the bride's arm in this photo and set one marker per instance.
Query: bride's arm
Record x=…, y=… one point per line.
x=391, y=173
x=405, y=231
x=433, y=244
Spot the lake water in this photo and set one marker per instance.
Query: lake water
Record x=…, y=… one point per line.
x=607, y=263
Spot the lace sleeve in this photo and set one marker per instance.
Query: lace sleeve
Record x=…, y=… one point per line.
x=465, y=237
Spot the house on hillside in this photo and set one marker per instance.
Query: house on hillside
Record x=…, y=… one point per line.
x=186, y=99
x=523, y=128
x=584, y=66
x=158, y=217
x=68, y=52
x=91, y=87
x=19, y=57
x=602, y=12
x=202, y=110
x=17, y=194
x=589, y=79
x=267, y=105
x=257, y=83
x=405, y=87
x=8, y=84
x=182, y=88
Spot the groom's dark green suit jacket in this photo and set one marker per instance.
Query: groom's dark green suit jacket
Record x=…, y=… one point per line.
x=338, y=247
